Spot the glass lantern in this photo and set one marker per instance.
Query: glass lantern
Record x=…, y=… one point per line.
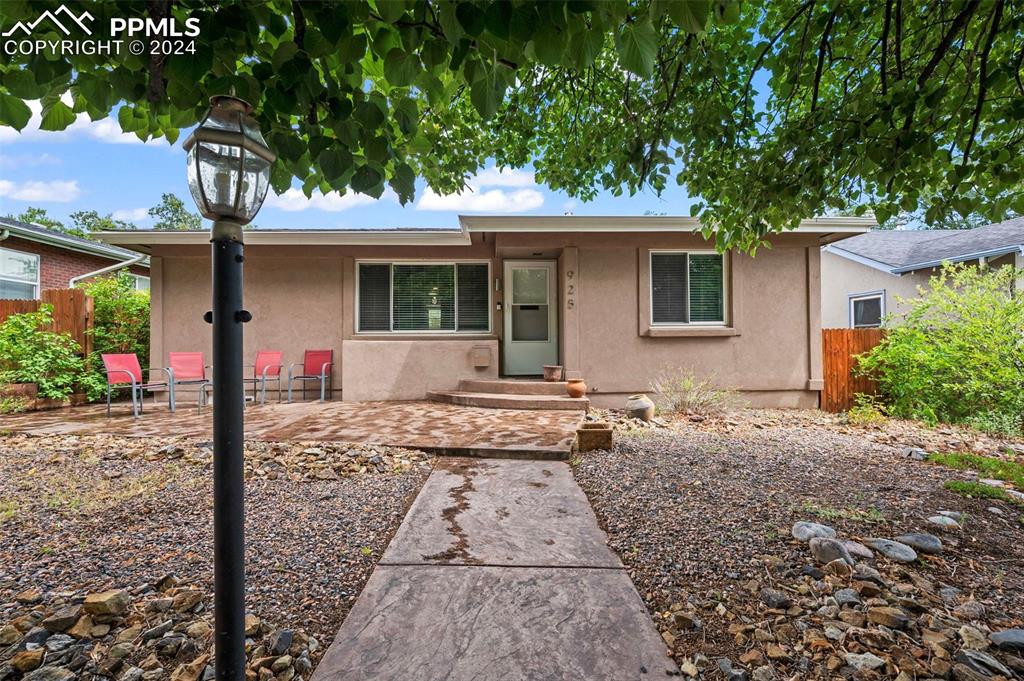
x=228, y=162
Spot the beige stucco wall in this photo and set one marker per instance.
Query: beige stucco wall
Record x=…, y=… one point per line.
x=841, y=278
x=303, y=297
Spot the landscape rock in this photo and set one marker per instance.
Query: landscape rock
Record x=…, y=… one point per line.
x=827, y=550
x=805, y=531
x=63, y=619
x=893, y=550
x=1008, y=639
x=921, y=542
x=858, y=550
x=112, y=602
x=775, y=599
x=970, y=610
x=944, y=522
x=864, y=661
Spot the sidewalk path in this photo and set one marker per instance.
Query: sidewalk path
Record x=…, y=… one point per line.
x=499, y=571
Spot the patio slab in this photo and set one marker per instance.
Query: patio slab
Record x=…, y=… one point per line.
x=438, y=428
x=479, y=512
x=554, y=602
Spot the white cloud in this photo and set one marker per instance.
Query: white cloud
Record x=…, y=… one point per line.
x=130, y=214
x=502, y=177
x=104, y=130
x=55, y=191
x=475, y=198
x=569, y=206
x=28, y=160
x=475, y=201
x=294, y=200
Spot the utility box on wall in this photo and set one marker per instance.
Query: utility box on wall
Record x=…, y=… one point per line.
x=480, y=356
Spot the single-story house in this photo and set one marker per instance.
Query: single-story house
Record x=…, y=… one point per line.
x=34, y=258
x=862, y=277
x=614, y=300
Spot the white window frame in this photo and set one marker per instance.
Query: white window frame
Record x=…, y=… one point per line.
x=691, y=324
x=391, y=298
x=866, y=295
x=39, y=271
x=139, y=277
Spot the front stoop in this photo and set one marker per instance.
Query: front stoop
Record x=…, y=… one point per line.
x=510, y=394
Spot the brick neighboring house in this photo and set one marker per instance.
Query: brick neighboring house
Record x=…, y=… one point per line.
x=34, y=258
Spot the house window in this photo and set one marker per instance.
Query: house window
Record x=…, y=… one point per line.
x=867, y=309
x=687, y=288
x=141, y=282
x=19, y=275
x=423, y=297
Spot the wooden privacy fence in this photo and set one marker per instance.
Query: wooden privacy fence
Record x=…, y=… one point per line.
x=72, y=313
x=839, y=347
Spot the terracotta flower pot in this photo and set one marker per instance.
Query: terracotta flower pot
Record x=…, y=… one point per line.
x=640, y=407
x=552, y=372
x=576, y=387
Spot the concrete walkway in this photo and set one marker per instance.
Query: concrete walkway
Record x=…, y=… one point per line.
x=499, y=571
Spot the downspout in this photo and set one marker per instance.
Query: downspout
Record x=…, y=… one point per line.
x=106, y=270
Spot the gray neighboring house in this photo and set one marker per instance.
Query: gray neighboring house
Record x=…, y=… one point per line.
x=861, y=277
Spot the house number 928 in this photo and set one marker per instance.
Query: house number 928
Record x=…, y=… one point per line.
x=570, y=290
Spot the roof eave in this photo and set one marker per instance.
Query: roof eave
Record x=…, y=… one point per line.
x=641, y=223
x=143, y=241
x=990, y=253
x=69, y=245
x=860, y=259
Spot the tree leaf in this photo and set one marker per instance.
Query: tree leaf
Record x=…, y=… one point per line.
x=403, y=182
x=368, y=180
x=56, y=115
x=690, y=15
x=401, y=68
x=14, y=112
x=335, y=162
x=638, y=47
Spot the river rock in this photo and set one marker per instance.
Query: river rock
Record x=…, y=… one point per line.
x=944, y=522
x=827, y=550
x=805, y=531
x=922, y=542
x=893, y=550
x=858, y=550
x=1008, y=639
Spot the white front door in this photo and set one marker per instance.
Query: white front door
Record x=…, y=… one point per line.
x=531, y=316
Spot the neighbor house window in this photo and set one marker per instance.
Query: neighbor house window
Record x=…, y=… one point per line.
x=141, y=282
x=19, y=275
x=867, y=309
x=687, y=288
x=424, y=297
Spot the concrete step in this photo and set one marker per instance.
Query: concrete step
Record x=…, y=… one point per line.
x=512, y=386
x=507, y=401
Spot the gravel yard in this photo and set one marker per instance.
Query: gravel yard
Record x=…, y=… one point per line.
x=701, y=513
x=84, y=514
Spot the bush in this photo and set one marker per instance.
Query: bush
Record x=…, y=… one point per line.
x=866, y=411
x=677, y=390
x=31, y=354
x=958, y=353
x=120, y=317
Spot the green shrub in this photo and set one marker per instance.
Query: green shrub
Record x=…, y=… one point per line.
x=995, y=423
x=120, y=317
x=958, y=352
x=677, y=390
x=867, y=410
x=29, y=353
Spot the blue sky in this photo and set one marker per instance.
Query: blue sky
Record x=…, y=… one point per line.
x=94, y=166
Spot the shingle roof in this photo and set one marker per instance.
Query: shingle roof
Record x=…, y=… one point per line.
x=34, y=232
x=906, y=250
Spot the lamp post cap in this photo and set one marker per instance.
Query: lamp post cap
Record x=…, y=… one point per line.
x=231, y=103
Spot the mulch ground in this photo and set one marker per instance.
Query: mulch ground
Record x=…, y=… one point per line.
x=701, y=514
x=90, y=513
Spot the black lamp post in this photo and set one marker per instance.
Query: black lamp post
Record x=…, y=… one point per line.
x=228, y=175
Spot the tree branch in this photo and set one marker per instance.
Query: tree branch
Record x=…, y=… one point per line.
x=769, y=46
x=885, y=46
x=156, y=89
x=997, y=15
x=821, y=58
x=940, y=52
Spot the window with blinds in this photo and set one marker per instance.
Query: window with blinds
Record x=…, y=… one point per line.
x=423, y=297
x=687, y=288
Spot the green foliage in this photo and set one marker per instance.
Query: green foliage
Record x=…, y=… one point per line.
x=977, y=490
x=678, y=391
x=171, y=214
x=958, y=352
x=990, y=467
x=83, y=222
x=997, y=423
x=767, y=111
x=120, y=318
x=867, y=410
x=31, y=354
x=13, y=404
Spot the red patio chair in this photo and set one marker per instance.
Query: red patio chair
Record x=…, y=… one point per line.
x=267, y=368
x=187, y=368
x=124, y=371
x=316, y=366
